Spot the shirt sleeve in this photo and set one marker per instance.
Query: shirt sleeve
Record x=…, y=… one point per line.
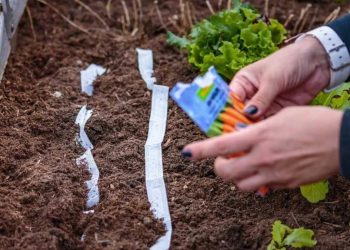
x=342, y=27
x=345, y=145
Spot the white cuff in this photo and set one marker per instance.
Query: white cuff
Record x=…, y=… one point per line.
x=337, y=51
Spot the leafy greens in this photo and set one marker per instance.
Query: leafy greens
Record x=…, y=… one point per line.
x=231, y=40
x=283, y=237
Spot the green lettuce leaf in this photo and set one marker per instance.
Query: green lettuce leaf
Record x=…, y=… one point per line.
x=177, y=41
x=336, y=99
x=316, y=192
x=278, y=232
x=300, y=238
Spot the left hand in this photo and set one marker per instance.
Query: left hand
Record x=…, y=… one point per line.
x=297, y=146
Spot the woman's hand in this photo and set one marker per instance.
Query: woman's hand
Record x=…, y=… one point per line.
x=292, y=76
x=297, y=146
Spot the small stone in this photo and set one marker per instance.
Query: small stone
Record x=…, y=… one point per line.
x=57, y=94
x=172, y=199
x=185, y=187
x=147, y=220
x=112, y=186
x=181, y=143
x=167, y=143
x=233, y=188
x=79, y=62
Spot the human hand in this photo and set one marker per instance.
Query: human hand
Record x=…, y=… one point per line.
x=297, y=146
x=291, y=76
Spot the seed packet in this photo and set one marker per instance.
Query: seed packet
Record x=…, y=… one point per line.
x=210, y=104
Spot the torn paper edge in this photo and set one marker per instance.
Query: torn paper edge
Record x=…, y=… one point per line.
x=87, y=158
x=145, y=59
x=81, y=120
x=89, y=76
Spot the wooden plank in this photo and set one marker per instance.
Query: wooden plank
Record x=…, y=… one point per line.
x=18, y=7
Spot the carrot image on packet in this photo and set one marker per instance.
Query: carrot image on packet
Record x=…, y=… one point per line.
x=209, y=102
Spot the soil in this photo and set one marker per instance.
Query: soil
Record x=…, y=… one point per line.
x=42, y=190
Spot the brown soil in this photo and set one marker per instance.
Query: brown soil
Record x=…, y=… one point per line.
x=42, y=191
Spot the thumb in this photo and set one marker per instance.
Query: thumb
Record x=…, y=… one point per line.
x=261, y=101
x=242, y=83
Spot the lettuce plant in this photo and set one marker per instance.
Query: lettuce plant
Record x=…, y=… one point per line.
x=284, y=237
x=231, y=40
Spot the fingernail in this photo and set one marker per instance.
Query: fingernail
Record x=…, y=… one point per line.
x=186, y=153
x=251, y=110
x=241, y=125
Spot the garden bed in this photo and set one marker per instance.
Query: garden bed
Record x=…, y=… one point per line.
x=42, y=190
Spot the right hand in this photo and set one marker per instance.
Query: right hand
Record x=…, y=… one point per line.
x=291, y=76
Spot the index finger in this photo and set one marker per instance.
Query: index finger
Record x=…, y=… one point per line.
x=224, y=145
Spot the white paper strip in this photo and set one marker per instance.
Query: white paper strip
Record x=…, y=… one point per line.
x=83, y=116
x=155, y=185
x=156, y=191
x=93, y=195
x=89, y=76
x=145, y=59
x=87, y=158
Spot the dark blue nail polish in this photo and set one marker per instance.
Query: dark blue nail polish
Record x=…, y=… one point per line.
x=241, y=125
x=186, y=154
x=251, y=110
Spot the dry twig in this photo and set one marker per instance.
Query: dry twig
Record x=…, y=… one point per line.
x=266, y=9
x=313, y=20
x=31, y=23
x=136, y=18
x=189, y=14
x=94, y=13
x=301, y=17
x=177, y=27
x=160, y=15
x=109, y=9
x=332, y=225
x=127, y=15
x=289, y=19
x=77, y=26
x=301, y=28
x=229, y=4
x=295, y=219
x=183, y=14
x=333, y=15
x=210, y=7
